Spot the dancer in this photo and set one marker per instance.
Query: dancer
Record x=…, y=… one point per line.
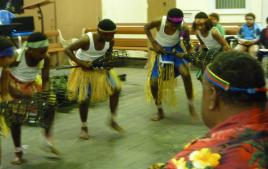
x=24, y=84
x=86, y=84
x=164, y=68
x=209, y=38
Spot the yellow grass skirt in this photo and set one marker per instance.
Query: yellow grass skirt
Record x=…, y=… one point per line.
x=97, y=85
x=166, y=88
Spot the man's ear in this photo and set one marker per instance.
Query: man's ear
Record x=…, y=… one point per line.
x=213, y=98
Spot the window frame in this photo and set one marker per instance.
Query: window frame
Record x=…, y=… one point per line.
x=230, y=11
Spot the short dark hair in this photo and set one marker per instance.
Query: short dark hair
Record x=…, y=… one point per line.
x=36, y=36
x=215, y=15
x=175, y=12
x=5, y=43
x=203, y=15
x=251, y=15
x=107, y=25
x=241, y=71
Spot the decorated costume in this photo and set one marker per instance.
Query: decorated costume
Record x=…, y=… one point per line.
x=95, y=84
x=163, y=68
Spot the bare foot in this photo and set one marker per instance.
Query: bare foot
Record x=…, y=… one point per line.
x=159, y=116
x=114, y=125
x=84, y=133
x=18, y=160
x=51, y=149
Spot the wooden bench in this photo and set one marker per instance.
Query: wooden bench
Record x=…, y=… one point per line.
x=126, y=39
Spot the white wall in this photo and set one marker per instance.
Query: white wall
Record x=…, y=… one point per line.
x=125, y=11
x=191, y=7
x=264, y=11
x=135, y=11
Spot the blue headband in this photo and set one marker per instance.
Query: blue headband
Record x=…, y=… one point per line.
x=7, y=52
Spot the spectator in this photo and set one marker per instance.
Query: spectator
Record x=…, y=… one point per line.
x=248, y=36
x=234, y=107
x=215, y=18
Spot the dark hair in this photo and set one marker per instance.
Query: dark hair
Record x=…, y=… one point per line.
x=107, y=25
x=175, y=12
x=215, y=15
x=37, y=36
x=5, y=43
x=241, y=71
x=203, y=15
x=251, y=15
x=267, y=20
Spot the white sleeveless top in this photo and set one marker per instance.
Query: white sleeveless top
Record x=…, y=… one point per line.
x=209, y=41
x=91, y=54
x=23, y=72
x=166, y=40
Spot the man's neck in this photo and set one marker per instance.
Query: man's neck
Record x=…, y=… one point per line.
x=228, y=110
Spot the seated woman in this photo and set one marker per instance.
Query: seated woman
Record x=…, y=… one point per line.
x=234, y=107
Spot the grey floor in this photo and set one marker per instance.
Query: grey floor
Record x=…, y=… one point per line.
x=145, y=142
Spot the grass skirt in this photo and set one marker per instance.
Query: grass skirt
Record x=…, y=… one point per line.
x=166, y=88
x=96, y=85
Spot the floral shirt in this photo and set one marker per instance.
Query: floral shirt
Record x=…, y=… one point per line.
x=241, y=142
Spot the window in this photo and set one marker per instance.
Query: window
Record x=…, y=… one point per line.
x=230, y=4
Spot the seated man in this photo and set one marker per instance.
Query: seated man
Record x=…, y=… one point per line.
x=263, y=42
x=234, y=106
x=248, y=36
